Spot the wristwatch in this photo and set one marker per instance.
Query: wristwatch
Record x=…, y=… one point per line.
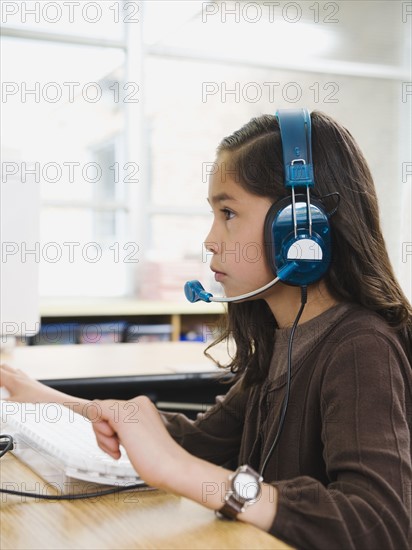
x=244, y=490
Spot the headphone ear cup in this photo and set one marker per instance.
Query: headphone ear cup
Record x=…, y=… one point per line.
x=310, y=252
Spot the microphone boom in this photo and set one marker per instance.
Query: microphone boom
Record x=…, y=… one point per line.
x=194, y=291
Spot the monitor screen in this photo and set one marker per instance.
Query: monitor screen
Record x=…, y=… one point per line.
x=19, y=259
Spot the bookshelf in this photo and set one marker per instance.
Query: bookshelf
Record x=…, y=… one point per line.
x=177, y=320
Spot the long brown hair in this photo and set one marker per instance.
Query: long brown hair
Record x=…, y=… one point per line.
x=360, y=270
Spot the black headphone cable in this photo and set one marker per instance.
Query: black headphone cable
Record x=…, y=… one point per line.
x=7, y=444
x=303, y=299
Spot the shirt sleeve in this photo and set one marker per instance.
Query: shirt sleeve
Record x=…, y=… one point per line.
x=216, y=434
x=365, y=389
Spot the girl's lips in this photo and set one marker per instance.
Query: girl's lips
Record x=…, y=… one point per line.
x=219, y=276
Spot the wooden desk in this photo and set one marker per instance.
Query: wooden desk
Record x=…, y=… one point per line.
x=168, y=372
x=124, y=521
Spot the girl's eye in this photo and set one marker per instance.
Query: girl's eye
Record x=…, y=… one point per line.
x=227, y=213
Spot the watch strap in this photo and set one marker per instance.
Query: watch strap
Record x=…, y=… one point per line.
x=230, y=509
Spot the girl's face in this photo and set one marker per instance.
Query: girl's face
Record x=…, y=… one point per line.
x=236, y=238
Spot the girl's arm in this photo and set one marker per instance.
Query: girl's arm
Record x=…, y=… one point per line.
x=160, y=461
x=164, y=464
x=24, y=389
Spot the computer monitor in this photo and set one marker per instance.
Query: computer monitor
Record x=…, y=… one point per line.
x=19, y=259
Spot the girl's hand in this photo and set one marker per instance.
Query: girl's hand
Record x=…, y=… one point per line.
x=137, y=425
x=24, y=389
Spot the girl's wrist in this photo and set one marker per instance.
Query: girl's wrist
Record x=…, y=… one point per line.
x=208, y=484
x=201, y=481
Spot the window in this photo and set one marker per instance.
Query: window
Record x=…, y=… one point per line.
x=123, y=154
x=64, y=127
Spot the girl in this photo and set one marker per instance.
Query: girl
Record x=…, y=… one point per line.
x=337, y=467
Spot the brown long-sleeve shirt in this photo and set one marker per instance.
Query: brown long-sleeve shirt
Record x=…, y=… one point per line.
x=342, y=466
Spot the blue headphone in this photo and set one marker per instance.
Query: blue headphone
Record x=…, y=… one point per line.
x=297, y=232
x=297, y=228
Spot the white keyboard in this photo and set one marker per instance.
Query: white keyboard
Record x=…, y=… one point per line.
x=60, y=445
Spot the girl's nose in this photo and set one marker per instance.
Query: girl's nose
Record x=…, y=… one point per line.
x=210, y=242
x=211, y=246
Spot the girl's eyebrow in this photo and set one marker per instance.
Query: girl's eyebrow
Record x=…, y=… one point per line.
x=221, y=197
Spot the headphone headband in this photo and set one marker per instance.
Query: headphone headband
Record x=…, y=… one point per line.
x=297, y=228
x=295, y=129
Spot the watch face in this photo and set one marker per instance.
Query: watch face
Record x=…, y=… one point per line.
x=246, y=486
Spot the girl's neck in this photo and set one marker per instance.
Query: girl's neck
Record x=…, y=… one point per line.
x=286, y=301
